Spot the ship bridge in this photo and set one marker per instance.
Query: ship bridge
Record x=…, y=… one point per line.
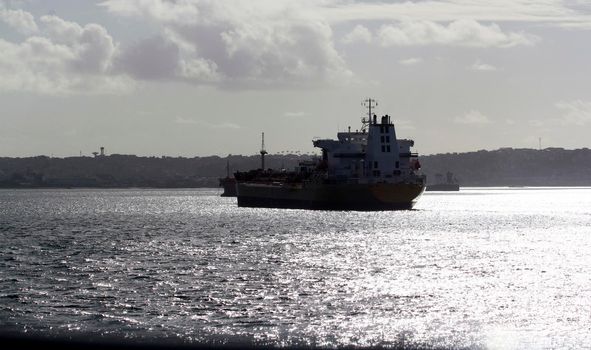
x=376, y=155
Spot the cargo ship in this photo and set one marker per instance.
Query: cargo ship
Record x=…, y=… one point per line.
x=366, y=169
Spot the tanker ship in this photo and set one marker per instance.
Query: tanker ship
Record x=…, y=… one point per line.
x=366, y=169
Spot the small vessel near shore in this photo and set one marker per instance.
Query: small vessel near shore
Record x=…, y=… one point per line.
x=367, y=169
x=449, y=184
x=228, y=183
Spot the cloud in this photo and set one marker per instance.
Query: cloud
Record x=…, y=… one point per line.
x=63, y=58
x=463, y=32
x=91, y=46
x=479, y=66
x=229, y=44
x=21, y=21
x=182, y=12
x=153, y=58
x=358, y=34
x=411, y=61
x=473, y=117
x=571, y=113
x=249, y=44
x=568, y=13
x=240, y=43
x=161, y=58
x=575, y=112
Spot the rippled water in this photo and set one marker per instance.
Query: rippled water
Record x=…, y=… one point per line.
x=479, y=268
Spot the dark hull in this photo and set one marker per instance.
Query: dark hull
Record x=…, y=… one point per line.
x=331, y=197
x=284, y=203
x=229, y=185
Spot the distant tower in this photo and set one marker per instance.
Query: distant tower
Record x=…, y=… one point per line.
x=540, y=143
x=263, y=152
x=102, y=151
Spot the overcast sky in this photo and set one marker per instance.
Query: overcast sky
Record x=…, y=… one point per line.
x=204, y=77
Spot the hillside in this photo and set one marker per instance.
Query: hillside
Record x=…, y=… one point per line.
x=514, y=167
x=503, y=167
x=129, y=170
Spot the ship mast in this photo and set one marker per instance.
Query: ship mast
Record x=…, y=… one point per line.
x=263, y=152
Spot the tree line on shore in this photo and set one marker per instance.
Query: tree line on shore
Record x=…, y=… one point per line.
x=502, y=167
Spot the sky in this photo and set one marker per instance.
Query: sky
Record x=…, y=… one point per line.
x=206, y=77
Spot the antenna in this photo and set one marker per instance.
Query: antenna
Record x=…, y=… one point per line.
x=263, y=151
x=540, y=143
x=369, y=103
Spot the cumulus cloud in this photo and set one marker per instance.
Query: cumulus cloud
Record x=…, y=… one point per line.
x=463, y=32
x=473, y=117
x=232, y=44
x=358, y=34
x=62, y=57
x=227, y=43
x=153, y=58
x=20, y=20
x=92, y=46
x=242, y=43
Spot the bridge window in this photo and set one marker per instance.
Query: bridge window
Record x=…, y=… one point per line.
x=375, y=165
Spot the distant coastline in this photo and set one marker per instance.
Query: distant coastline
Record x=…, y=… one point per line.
x=503, y=167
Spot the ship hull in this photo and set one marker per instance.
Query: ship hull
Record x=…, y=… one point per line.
x=360, y=197
x=229, y=185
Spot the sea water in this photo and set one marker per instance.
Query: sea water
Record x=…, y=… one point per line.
x=491, y=268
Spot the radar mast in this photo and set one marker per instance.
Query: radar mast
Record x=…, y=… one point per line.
x=369, y=103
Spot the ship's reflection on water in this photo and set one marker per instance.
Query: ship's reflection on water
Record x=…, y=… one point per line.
x=482, y=268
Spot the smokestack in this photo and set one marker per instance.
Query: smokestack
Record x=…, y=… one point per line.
x=102, y=151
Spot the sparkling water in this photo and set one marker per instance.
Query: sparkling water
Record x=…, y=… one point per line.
x=499, y=268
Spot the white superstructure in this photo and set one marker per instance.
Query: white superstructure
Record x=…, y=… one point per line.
x=372, y=155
